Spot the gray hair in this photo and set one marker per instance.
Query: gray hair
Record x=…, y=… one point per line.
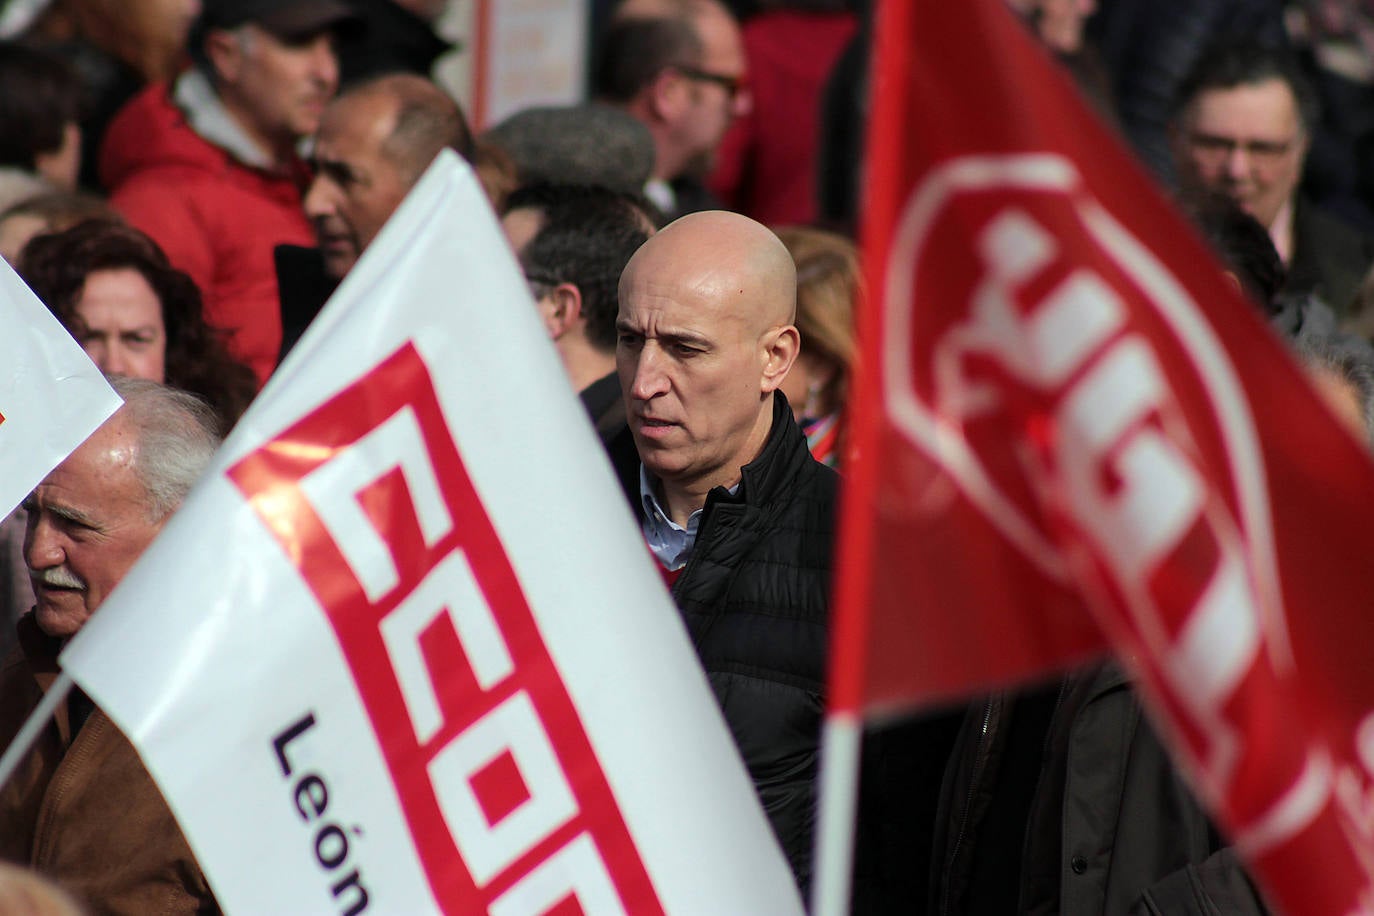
x=177, y=436
x=1349, y=359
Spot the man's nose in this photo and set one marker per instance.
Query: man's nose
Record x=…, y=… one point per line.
x=319, y=199
x=113, y=360
x=649, y=379
x=41, y=547
x=324, y=63
x=742, y=103
x=1238, y=162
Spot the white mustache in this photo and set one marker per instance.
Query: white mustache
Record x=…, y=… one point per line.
x=59, y=577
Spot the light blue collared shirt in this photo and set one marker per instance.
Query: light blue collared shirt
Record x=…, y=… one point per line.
x=670, y=542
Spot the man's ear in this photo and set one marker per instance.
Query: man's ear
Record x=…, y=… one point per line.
x=780, y=348
x=564, y=310
x=668, y=96
x=224, y=50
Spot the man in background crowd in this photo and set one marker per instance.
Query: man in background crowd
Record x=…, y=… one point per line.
x=678, y=66
x=208, y=165
x=1243, y=127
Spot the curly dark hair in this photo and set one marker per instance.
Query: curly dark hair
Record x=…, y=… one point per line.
x=56, y=265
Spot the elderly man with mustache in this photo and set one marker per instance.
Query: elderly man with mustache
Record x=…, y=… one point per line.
x=81, y=808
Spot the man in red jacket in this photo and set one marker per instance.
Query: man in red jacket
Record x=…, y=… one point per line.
x=208, y=165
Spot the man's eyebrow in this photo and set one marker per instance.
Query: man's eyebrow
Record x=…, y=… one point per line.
x=71, y=514
x=666, y=335
x=336, y=168
x=678, y=335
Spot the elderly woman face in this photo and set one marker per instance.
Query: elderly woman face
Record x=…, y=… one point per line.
x=120, y=324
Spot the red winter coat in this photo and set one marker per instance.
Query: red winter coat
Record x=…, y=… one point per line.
x=216, y=218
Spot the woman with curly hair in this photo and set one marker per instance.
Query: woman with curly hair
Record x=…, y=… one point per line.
x=134, y=314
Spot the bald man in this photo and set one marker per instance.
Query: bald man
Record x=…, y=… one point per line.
x=732, y=504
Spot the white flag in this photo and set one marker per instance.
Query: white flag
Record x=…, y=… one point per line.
x=403, y=649
x=51, y=395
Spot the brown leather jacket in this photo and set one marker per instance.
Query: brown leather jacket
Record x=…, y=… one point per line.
x=82, y=809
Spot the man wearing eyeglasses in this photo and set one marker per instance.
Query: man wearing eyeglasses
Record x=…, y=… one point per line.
x=1243, y=127
x=679, y=67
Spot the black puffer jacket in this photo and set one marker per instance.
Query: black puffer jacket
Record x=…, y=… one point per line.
x=755, y=598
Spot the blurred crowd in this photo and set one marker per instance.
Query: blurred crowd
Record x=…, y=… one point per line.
x=184, y=183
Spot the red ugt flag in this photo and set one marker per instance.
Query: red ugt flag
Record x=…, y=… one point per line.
x=1072, y=432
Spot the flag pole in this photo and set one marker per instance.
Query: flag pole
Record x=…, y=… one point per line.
x=842, y=734
x=34, y=725
x=841, y=741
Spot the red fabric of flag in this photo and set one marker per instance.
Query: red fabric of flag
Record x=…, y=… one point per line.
x=1072, y=433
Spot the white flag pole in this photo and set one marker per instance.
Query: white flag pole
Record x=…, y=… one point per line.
x=841, y=742
x=34, y=725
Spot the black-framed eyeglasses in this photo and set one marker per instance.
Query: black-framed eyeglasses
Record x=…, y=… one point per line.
x=733, y=85
x=1214, y=147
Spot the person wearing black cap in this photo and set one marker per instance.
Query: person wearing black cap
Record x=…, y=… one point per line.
x=208, y=166
x=396, y=36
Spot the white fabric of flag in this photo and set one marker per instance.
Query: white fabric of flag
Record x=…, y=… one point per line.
x=51, y=395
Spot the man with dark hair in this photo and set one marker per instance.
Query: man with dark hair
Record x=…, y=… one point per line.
x=678, y=66
x=208, y=166
x=40, y=110
x=81, y=808
x=1243, y=126
x=374, y=143
x=573, y=242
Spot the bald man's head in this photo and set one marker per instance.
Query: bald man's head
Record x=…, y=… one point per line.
x=738, y=258
x=705, y=339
